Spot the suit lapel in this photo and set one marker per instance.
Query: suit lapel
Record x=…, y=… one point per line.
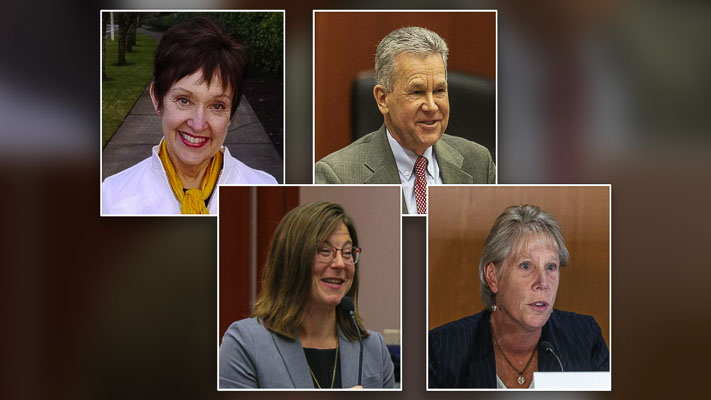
x=350, y=351
x=450, y=163
x=381, y=161
x=294, y=360
x=482, y=369
x=547, y=362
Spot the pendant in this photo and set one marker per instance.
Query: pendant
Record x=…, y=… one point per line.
x=521, y=380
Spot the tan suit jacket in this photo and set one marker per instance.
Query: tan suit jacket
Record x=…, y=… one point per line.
x=369, y=160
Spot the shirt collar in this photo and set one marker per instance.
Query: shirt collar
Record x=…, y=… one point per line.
x=405, y=158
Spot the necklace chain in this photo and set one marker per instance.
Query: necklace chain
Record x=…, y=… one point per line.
x=521, y=380
x=333, y=378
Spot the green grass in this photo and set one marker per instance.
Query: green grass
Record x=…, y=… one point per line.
x=125, y=83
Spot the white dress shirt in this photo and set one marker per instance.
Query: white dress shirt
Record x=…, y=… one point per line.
x=405, y=160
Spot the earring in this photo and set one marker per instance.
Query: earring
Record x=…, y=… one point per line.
x=493, y=308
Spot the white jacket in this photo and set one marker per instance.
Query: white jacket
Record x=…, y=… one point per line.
x=144, y=188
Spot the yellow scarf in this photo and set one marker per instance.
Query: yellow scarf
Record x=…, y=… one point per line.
x=192, y=201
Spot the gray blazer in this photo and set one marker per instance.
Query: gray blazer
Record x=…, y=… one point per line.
x=370, y=160
x=253, y=357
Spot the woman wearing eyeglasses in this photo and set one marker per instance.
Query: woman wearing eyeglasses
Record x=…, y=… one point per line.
x=298, y=337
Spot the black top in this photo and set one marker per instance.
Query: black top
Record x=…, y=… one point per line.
x=321, y=363
x=461, y=353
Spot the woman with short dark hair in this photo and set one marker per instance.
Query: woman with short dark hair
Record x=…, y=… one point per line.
x=298, y=337
x=198, y=79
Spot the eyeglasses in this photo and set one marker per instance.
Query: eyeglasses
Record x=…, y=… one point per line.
x=326, y=253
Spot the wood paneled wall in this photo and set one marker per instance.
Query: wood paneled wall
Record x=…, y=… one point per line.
x=460, y=219
x=234, y=256
x=270, y=205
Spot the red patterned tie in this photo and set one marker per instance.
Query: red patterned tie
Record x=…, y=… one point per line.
x=421, y=184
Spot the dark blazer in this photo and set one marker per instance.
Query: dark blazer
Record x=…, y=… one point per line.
x=253, y=357
x=461, y=353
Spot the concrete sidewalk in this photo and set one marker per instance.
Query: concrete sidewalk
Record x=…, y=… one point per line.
x=141, y=130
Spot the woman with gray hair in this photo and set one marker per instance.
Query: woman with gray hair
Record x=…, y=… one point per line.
x=519, y=331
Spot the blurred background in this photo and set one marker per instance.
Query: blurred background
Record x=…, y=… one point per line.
x=589, y=92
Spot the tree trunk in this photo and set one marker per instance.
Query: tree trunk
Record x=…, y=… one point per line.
x=103, y=46
x=132, y=31
x=124, y=22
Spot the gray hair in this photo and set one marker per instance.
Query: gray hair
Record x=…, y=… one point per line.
x=513, y=224
x=412, y=40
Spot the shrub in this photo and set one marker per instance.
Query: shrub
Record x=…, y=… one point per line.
x=260, y=32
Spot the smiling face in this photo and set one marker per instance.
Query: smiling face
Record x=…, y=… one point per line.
x=527, y=284
x=195, y=118
x=417, y=110
x=331, y=280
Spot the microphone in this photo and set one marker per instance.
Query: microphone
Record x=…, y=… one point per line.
x=547, y=347
x=348, y=307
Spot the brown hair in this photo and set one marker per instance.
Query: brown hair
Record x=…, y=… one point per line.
x=201, y=44
x=286, y=283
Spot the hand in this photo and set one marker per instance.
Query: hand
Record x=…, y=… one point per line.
x=357, y=387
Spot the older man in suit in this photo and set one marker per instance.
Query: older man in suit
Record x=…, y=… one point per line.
x=411, y=147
